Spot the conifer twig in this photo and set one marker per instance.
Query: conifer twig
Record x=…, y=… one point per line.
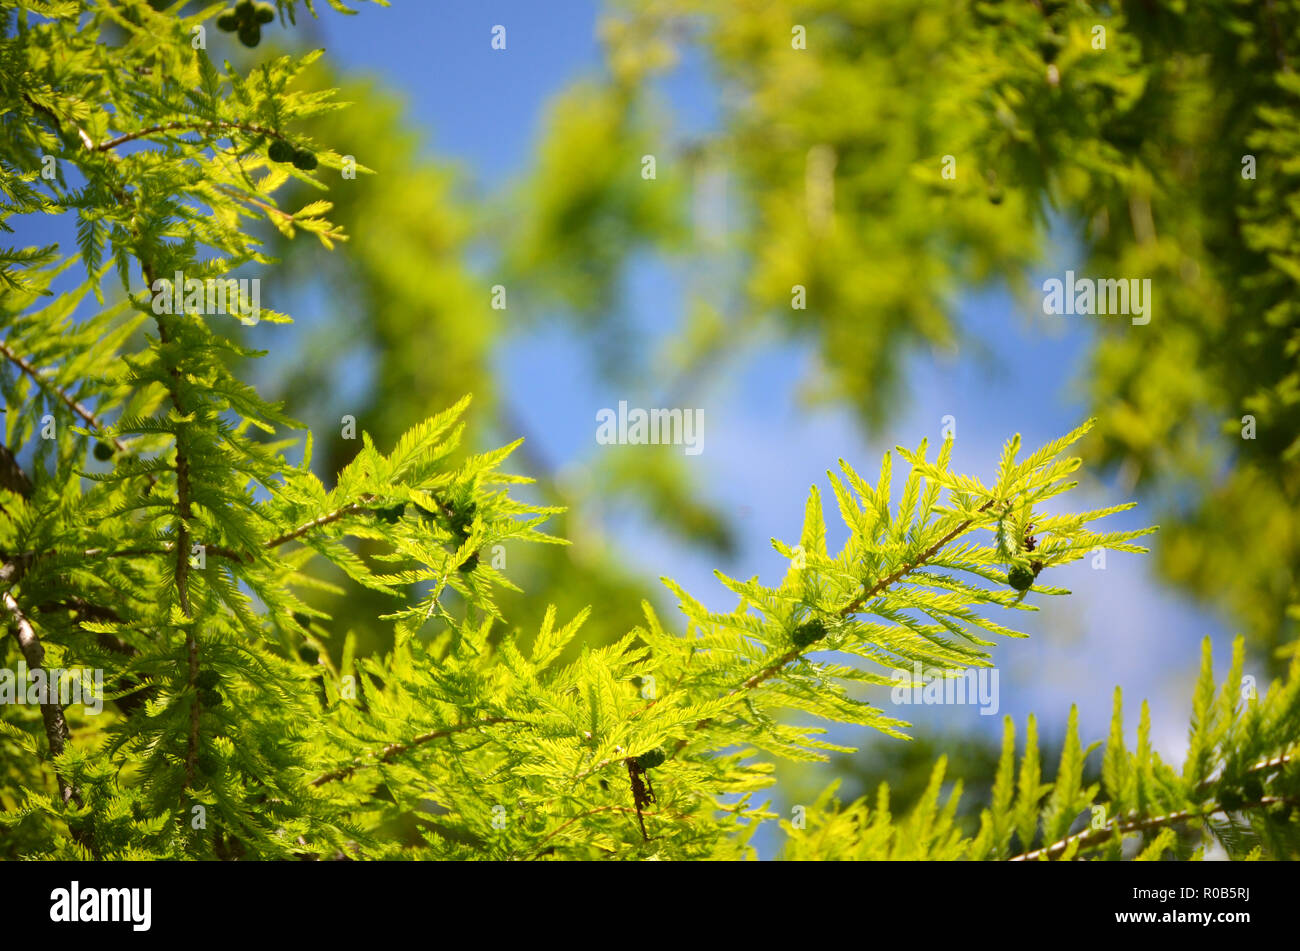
x=353, y=508
x=1091, y=837
x=56, y=724
x=393, y=750
x=183, y=515
x=52, y=715
x=1262, y=766
x=856, y=605
x=89, y=418
x=187, y=125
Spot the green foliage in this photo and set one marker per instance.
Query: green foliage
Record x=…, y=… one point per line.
x=1160, y=136
x=242, y=720
x=1237, y=792
x=543, y=743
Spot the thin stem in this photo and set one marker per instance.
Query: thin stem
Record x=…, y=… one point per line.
x=184, y=513
x=82, y=134
x=86, y=415
x=918, y=562
x=189, y=125
x=36, y=375
x=1260, y=767
x=56, y=725
x=355, y=508
x=393, y=750
x=1091, y=837
x=166, y=549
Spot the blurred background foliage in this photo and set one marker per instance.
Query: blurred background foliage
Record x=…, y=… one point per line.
x=832, y=157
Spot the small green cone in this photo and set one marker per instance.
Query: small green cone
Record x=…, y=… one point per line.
x=808, y=633
x=1020, y=578
x=281, y=151
x=651, y=758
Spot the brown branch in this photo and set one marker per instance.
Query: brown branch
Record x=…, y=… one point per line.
x=36, y=375
x=84, y=136
x=56, y=724
x=12, y=476
x=355, y=508
x=920, y=561
x=86, y=415
x=393, y=750
x=188, y=125
x=1260, y=767
x=1091, y=837
x=184, y=513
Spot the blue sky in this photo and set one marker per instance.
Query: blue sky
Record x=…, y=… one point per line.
x=763, y=450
